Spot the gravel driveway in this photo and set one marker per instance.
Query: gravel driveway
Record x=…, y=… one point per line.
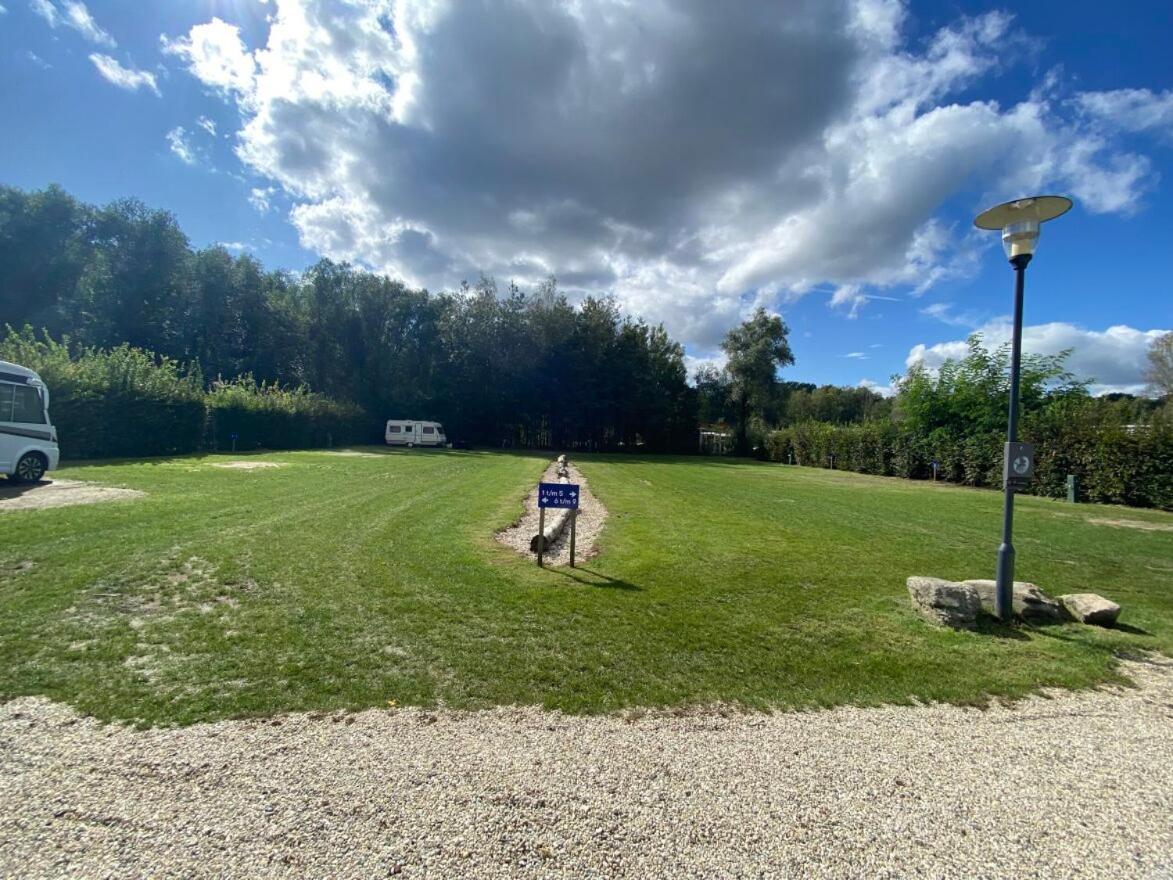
x=1080, y=785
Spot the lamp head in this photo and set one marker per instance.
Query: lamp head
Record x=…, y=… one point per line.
x=1020, y=221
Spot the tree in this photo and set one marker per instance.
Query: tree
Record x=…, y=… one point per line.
x=1160, y=371
x=755, y=349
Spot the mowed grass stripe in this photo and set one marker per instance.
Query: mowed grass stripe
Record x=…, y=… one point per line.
x=342, y=582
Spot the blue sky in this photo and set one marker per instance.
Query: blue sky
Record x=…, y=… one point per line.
x=821, y=159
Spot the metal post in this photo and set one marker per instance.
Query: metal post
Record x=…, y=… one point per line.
x=573, y=527
x=1004, y=596
x=1071, y=488
x=541, y=533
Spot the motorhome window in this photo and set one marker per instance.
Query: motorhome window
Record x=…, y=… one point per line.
x=429, y=430
x=27, y=405
x=5, y=402
x=393, y=429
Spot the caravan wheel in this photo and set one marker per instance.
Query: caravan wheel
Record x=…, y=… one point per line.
x=410, y=445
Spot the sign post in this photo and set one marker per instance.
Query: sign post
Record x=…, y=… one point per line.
x=557, y=496
x=234, y=436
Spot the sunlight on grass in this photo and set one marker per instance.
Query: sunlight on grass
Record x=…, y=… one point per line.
x=351, y=580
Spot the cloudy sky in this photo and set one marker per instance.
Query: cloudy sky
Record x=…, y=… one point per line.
x=694, y=159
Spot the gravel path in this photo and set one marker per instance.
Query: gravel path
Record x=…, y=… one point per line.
x=1080, y=785
x=591, y=517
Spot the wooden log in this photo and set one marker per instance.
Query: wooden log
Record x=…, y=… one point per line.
x=555, y=523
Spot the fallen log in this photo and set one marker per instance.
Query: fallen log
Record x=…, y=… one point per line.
x=555, y=524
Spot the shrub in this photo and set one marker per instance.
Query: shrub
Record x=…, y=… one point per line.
x=117, y=403
x=270, y=416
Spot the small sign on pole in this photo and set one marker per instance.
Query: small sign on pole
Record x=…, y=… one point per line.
x=935, y=466
x=234, y=436
x=1019, y=466
x=557, y=496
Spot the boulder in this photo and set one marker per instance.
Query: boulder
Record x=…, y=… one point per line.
x=945, y=603
x=1029, y=602
x=1090, y=608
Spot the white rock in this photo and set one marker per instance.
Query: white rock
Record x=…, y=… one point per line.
x=1090, y=608
x=945, y=603
x=1029, y=602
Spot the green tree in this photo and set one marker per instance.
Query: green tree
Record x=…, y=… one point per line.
x=1160, y=371
x=755, y=349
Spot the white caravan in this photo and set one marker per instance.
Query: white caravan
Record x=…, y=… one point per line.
x=28, y=441
x=405, y=432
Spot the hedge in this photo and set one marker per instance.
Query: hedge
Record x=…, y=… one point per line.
x=1114, y=463
x=127, y=402
x=272, y=417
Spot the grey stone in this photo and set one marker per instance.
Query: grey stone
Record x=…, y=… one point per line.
x=1090, y=608
x=945, y=603
x=1029, y=602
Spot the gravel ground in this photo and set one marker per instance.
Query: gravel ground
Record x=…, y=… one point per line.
x=59, y=493
x=1079, y=785
x=591, y=516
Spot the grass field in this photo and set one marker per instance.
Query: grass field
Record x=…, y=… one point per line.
x=345, y=582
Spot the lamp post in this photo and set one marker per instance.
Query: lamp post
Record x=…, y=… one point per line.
x=1020, y=222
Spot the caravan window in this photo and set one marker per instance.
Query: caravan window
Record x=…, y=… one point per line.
x=6, y=401
x=392, y=429
x=27, y=405
x=429, y=430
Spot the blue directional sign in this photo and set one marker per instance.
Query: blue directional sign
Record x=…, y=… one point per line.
x=563, y=496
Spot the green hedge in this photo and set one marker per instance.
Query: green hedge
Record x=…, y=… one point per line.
x=118, y=403
x=127, y=402
x=1114, y=463
x=272, y=417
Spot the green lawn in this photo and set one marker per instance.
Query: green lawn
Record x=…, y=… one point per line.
x=346, y=582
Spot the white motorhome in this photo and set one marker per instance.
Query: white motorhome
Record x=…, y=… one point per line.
x=407, y=432
x=28, y=440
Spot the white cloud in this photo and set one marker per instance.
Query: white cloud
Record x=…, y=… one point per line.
x=883, y=390
x=857, y=355
x=47, y=11
x=1115, y=359
x=261, y=198
x=946, y=313
x=124, y=77
x=216, y=55
x=79, y=18
x=811, y=145
x=75, y=15
x=207, y=125
x=3, y=9
x=1136, y=110
x=693, y=364
x=236, y=246
x=181, y=146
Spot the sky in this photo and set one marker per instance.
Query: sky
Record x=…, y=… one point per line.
x=695, y=160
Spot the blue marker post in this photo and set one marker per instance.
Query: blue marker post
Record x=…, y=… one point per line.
x=557, y=496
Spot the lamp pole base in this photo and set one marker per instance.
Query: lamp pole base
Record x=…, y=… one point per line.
x=1004, y=593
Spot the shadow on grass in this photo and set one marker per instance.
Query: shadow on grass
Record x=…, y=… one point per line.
x=991, y=626
x=602, y=581
x=1131, y=630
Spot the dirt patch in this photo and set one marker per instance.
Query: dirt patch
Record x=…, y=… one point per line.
x=249, y=465
x=1130, y=524
x=591, y=517
x=353, y=453
x=60, y=493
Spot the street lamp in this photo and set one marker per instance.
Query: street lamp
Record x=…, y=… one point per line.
x=1019, y=221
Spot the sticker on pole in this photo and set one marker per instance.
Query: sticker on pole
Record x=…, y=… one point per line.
x=560, y=496
x=1019, y=465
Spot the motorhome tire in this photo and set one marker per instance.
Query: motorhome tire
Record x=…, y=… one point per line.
x=30, y=468
x=410, y=445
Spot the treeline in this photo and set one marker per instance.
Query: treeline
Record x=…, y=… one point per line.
x=1120, y=449
x=496, y=367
